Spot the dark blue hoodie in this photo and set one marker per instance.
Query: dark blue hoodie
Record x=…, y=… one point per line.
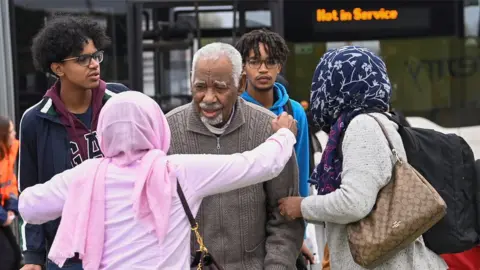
x=302, y=146
x=50, y=143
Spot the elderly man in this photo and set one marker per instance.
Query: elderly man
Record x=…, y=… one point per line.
x=243, y=229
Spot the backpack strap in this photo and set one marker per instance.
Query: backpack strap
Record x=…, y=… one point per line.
x=392, y=118
x=288, y=107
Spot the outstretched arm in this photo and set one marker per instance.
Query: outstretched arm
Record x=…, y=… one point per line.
x=44, y=202
x=212, y=174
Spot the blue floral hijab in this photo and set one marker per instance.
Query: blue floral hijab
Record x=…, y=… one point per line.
x=348, y=81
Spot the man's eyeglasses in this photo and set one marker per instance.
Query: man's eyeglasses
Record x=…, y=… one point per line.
x=86, y=59
x=257, y=63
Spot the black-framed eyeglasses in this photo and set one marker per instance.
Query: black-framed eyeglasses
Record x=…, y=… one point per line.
x=86, y=59
x=257, y=63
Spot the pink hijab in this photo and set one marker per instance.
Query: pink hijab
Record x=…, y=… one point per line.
x=131, y=128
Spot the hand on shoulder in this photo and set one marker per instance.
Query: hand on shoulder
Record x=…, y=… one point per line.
x=285, y=120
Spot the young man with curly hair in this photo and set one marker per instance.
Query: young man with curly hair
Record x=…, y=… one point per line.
x=264, y=53
x=59, y=132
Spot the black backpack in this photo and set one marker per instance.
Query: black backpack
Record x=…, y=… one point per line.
x=448, y=163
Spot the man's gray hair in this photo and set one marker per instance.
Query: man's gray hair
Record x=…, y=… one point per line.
x=216, y=50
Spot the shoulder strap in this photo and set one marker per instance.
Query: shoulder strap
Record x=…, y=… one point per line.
x=391, y=118
x=384, y=131
x=191, y=219
x=194, y=227
x=316, y=145
x=288, y=107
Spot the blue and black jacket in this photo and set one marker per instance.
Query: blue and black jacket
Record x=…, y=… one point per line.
x=46, y=149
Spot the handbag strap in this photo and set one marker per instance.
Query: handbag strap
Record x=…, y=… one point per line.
x=194, y=227
x=384, y=131
x=191, y=219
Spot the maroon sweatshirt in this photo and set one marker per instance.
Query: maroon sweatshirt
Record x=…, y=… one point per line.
x=77, y=131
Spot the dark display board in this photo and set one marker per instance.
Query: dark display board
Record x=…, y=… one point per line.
x=317, y=21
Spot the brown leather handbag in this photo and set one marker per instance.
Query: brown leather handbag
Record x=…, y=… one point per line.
x=405, y=208
x=202, y=257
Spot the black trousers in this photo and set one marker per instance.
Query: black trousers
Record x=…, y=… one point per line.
x=10, y=254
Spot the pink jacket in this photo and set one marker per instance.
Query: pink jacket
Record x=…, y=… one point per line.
x=131, y=244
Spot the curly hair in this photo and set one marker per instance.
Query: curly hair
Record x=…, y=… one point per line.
x=274, y=43
x=65, y=36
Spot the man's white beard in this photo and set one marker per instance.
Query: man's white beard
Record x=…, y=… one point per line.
x=213, y=121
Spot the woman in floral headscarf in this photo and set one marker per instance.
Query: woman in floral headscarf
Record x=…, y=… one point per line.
x=348, y=83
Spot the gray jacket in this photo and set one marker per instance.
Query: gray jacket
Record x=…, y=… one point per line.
x=242, y=229
x=367, y=168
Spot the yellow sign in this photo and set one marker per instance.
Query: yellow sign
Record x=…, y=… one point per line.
x=357, y=14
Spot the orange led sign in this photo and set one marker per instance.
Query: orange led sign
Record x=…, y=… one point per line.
x=357, y=14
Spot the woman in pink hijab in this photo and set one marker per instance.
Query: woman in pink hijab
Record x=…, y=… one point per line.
x=122, y=211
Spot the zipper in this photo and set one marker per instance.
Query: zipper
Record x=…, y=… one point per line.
x=218, y=144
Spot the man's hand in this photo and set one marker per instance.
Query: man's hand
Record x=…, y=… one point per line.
x=31, y=267
x=307, y=254
x=285, y=120
x=10, y=218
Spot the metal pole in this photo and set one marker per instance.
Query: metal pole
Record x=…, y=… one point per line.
x=135, y=46
x=7, y=98
x=276, y=9
x=197, y=21
x=7, y=86
x=234, y=27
